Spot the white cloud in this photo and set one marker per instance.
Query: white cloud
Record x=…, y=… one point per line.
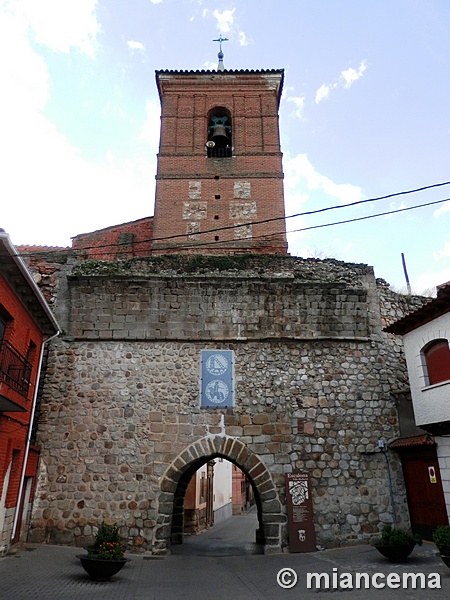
x=349, y=76
x=25, y=78
x=394, y=206
x=299, y=102
x=301, y=174
x=445, y=207
x=244, y=40
x=151, y=128
x=303, y=183
x=323, y=92
x=135, y=45
x=156, y=1
x=61, y=188
x=225, y=24
x=444, y=253
x=346, y=79
x=60, y=185
x=224, y=20
x=210, y=66
x=62, y=24
x=429, y=280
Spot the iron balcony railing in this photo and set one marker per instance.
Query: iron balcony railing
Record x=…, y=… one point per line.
x=216, y=152
x=15, y=370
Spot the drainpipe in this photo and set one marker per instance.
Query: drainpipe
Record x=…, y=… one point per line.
x=30, y=428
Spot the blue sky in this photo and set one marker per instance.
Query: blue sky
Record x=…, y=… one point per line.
x=365, y=112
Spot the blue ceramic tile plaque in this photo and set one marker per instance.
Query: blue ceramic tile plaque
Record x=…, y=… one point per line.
x=216, y=381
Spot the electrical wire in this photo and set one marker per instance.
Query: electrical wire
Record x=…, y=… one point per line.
x=279, y=233
x=264, y=221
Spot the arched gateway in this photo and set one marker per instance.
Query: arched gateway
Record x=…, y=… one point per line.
x=174, y=482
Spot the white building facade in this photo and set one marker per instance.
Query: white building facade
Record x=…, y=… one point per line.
x=426, y=338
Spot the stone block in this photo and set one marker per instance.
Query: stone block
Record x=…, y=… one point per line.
x=233, y=430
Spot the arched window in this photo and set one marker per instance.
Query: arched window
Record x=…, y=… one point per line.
x=219, y=139
x=437, y=360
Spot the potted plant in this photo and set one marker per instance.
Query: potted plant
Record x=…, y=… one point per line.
x=396, y=544
x=441, y=537
x=105, y=557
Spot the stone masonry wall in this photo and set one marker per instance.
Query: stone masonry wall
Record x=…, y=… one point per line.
x=314, y=375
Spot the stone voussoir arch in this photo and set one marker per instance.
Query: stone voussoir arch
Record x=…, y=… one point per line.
x=178, y=473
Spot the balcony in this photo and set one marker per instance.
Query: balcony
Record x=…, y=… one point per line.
x=15, y=370
x=218, y=152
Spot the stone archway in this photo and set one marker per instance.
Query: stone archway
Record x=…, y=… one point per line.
x=176, y=478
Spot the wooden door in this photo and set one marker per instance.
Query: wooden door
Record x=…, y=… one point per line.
x=424, y=491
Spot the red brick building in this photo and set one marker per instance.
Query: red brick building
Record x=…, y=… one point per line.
x=219, y=182
x=26, y=323
x=118, y=241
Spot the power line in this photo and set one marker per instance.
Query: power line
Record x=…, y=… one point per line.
x=268, y=235
x=302, y=214
x=389, y=212
x=305, y=213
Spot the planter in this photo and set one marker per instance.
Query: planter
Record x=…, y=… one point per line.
x=396, y=553
x=101, y=570
x=444, y=558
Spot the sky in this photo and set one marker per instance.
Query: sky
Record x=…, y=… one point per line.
x=365, y=113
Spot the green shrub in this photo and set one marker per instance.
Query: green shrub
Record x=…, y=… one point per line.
x=110, y=551
x=392, y=536
x=107, y=545
x=441, y=537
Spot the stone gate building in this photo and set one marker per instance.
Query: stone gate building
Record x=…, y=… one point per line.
x=121, y=429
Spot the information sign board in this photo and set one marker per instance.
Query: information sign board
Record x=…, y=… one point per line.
x=302, y=536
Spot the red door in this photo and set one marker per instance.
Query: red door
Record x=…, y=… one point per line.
x=424, y=491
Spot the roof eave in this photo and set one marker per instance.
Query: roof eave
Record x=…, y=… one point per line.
x=5, y=240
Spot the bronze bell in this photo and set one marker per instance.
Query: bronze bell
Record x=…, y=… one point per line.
x=219, y=134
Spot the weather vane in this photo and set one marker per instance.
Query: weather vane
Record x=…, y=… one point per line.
x=220, y=39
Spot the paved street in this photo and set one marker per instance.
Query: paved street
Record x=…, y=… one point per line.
x=201, y=570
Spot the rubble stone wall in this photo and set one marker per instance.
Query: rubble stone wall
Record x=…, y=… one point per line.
x=314, y=376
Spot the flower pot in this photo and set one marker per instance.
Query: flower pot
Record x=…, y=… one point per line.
x=396, y=553
x=99, y=569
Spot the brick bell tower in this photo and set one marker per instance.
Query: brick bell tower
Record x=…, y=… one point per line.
x=219, y=181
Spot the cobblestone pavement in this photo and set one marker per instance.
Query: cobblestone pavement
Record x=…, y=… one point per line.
x=43, y=572
x=233, y=537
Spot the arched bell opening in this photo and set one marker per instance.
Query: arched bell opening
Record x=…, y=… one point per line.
x=219, y=142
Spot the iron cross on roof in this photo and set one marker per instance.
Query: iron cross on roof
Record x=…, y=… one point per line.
x=221, y=39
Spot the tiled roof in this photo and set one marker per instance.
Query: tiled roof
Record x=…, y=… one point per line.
x=417, y=440
x=224, y=72
x=33, y=248
x=435, y=308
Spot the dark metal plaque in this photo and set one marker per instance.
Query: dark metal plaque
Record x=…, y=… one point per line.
x=302, y=536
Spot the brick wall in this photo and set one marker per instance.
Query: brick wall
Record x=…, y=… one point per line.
x=252, y=101
x=120, y=241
